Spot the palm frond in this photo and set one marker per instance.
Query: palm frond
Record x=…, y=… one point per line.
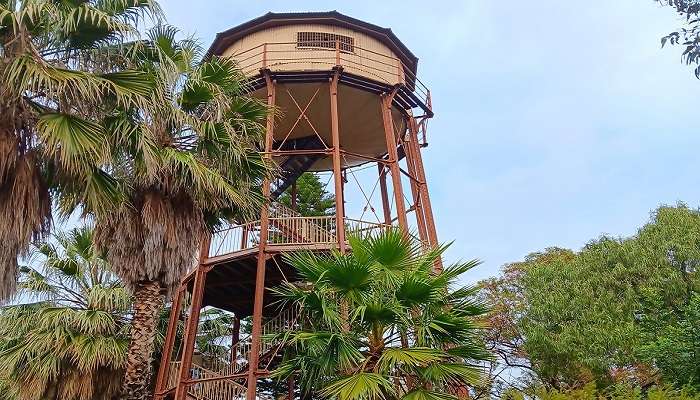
x=360, y=386
x=394, y=357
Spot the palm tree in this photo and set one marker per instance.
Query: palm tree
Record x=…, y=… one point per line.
x=52, y=79
x=68, y=339
x=185, y=161
x=377, y=323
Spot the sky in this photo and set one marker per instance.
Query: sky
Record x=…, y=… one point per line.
x=556, y=121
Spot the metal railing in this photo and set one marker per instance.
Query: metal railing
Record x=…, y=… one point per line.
x=286, y=227
x=281, y=323
x=212, y=388
x=290, y=56
x=215, y=381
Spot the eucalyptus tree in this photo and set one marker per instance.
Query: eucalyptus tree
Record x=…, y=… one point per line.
x=67, y=338
x=687, y=36
x=184, y=161
x=377, y=323
x=52, y=80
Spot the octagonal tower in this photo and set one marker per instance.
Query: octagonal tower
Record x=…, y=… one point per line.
x=348, y=100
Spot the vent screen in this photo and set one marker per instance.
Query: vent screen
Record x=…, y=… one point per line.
x=323, y=40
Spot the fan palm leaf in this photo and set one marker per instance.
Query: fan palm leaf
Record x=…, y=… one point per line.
x=68, y=342
x=184, y=162
x=414, y=332
x=53, y=78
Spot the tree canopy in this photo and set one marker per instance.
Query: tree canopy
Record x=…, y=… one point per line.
x=620, y=309
x=687, y=35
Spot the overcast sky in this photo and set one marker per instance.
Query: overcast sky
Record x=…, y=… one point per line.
x=556, y=121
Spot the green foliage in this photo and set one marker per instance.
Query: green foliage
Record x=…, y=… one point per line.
x=689, y=35
x=70, y=341
x=591, y=392
x=312, y=199
x=56, y=75
x=619, y=309
x=377, y=323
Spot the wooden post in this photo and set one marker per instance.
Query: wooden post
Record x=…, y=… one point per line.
x=264, y=56
x=337, y=53
x=393, y=161
x=338, y=179
x=384, y=193
x=192, y=323
x=254, y=356
x=164, y=369
x=244, y=236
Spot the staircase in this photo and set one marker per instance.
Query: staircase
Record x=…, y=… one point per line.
x=294, y=166
x=227, y=388
x=281, y=323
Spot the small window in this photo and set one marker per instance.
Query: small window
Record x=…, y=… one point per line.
x=323, y=40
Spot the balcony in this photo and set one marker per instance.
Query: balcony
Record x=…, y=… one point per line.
x=363, y=68
x=287, y=231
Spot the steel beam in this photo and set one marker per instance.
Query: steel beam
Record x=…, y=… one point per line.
x=425, y=196
x=192, y=323
x=254, y=357
x=393, y=160
x=164, y=369
x=337, y=177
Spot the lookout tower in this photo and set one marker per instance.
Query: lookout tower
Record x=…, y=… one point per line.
x=350, y=108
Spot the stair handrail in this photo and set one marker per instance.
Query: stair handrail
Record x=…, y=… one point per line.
x=280, y=323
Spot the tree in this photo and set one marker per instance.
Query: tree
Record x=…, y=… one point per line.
x=67, y=337
x=377, y=323
x=312, y=199
x=669, y=311
x=69, y=342
x=52, y=79
x=689, y=34
x=621, y=309
x=184, y=161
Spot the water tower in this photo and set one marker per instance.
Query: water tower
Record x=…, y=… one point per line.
x=349, y=104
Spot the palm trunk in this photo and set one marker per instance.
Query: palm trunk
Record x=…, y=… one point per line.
x=147, y=303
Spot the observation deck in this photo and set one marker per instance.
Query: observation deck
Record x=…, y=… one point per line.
x=233, y=252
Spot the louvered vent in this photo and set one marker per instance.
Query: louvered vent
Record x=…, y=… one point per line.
x=324, y=40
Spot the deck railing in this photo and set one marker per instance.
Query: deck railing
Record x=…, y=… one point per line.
x=286, y=227
x=211, y=388
x=291, y=56
x=214, y=381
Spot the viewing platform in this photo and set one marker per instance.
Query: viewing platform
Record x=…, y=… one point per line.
x=233, y=252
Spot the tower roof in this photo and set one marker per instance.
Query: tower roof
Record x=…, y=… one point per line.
x=224, y=39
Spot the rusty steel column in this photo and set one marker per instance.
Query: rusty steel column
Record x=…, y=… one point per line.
x=385, y=193
x=335, y=135
x=415, y=187
x=393, y=161
x=425, y=197
x=164, y=369
x=192, y=323
x=254, y=356
x=235, y=338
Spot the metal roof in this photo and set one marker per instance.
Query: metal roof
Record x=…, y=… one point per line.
x=224, y=39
